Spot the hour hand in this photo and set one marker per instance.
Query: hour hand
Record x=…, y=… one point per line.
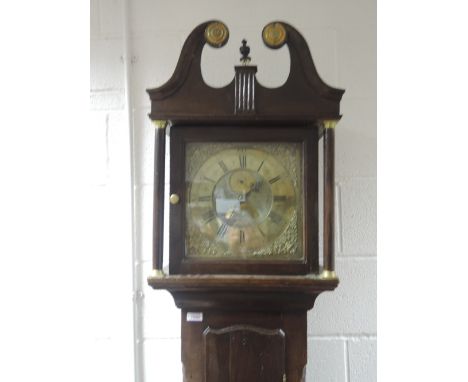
x=256, y=186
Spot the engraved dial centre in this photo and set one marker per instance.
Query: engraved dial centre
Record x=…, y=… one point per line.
x=242, y=198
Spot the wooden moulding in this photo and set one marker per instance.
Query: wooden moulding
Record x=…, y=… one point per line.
x=252, y=293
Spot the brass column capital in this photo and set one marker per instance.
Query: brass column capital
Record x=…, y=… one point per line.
x=157, y=274
x=328, y=275
x=330, y=123
x=160, y=123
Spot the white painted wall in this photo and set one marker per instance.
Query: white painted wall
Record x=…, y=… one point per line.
x=107, y=156
x=342, y=38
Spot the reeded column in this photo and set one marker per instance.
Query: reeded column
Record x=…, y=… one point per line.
x=329, y=198
x=244, y=88
x=158, y=202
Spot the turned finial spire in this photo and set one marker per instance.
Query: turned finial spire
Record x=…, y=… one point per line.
x=245, y=50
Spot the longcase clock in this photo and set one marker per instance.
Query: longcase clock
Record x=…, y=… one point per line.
x=244, y=262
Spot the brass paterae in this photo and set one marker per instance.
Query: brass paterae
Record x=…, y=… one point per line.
x=274, y=35
x=216, y=34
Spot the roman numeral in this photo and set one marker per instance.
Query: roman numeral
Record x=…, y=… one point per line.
x=261, y=232
x=222, y=230
x=259, y=167
x=275, y=179
x=208, y=216
x=241, y=237
x=206, y=198
x=279, y=198
x=243, y=161
x=275, y=218
x=223, y=166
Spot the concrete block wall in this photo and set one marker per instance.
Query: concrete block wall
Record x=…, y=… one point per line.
x=108, y=162
x=342, y=38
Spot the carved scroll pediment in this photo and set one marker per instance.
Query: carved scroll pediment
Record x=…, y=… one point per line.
x=186, y=97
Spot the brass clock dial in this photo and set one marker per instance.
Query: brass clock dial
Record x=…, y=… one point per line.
x=244, y=200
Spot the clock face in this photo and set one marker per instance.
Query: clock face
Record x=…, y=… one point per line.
x=244, y=200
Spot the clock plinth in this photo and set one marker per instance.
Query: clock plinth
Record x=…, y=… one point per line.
x=243, y=235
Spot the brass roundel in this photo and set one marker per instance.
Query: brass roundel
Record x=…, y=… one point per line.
x=216, y=34
x=274, y=35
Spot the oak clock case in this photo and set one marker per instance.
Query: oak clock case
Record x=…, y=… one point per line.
x=243, y=205
x=243, y=220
